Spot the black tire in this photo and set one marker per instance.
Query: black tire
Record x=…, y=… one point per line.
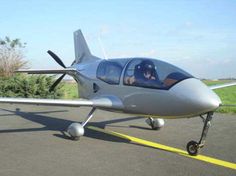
x=77, y=138
x=155, y=128
x=192, y=148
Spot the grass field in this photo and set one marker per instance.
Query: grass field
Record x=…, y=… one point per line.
x=227, y=95
x=70, y=90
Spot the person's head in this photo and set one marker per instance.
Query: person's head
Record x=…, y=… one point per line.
x=147, y=74
x=148, y=69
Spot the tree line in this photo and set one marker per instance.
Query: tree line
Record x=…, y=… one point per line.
x=22, y=85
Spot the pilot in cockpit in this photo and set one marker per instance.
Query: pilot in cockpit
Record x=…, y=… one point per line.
x=145, y=75
x=147, y=71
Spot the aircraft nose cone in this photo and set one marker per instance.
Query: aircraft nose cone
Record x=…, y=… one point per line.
x=209, y=100
x=214, y=101
x=196, y=96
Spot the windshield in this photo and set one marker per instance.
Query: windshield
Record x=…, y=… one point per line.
x=153, y=73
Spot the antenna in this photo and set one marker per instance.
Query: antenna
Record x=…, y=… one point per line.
x=101, y=45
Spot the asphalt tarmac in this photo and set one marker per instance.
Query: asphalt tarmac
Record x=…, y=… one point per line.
x=33, y=142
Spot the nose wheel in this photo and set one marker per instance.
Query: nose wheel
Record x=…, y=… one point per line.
x=193, y=147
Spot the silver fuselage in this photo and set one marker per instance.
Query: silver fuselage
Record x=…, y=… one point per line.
x=187, y=98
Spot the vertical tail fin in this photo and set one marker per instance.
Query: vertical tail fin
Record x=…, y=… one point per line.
x=82, y=51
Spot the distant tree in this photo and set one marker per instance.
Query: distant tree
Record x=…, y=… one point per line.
x=33, y=86
x=11, y=56
x=22, y=85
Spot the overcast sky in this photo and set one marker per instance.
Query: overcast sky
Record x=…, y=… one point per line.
x=198, y=36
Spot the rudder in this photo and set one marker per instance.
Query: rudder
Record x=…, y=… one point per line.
x=82, y=51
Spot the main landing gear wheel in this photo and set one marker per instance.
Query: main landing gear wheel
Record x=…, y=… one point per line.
x=155, y=124
x=76, y=130
x=193, y=147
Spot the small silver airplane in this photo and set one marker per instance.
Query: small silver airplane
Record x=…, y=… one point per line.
x=142, y=86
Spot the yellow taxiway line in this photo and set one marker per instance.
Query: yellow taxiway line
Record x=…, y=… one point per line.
x=167, y=148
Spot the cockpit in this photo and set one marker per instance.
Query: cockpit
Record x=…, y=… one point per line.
x=141, y=72
x=153, y=73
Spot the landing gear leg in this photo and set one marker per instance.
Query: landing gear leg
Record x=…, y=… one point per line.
x=75, y=130
x=193, y=147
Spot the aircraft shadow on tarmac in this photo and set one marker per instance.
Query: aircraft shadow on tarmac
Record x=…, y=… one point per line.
x=60, y=125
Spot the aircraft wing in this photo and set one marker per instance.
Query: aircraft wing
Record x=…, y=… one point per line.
x=106, y=102
x=222, y=85
x=48, y=71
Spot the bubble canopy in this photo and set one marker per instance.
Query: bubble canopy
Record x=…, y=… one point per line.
x=141, y=72
x=152, y=73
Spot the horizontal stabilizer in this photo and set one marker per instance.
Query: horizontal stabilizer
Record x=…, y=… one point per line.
x=70, y=71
